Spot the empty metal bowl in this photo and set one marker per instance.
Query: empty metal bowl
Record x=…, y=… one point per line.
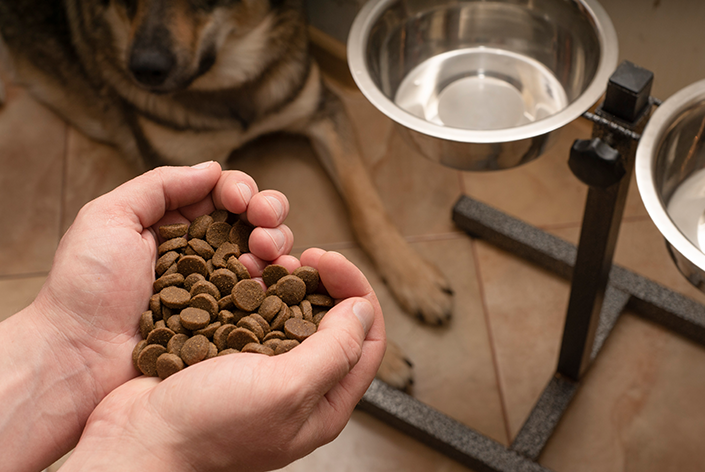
x=670, y=174
x=482, y=85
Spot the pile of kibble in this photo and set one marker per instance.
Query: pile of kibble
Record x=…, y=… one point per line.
x=205, y=303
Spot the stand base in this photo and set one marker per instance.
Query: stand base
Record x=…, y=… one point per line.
x=625, y=289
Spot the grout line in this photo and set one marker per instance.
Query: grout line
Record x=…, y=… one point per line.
x=493, y=350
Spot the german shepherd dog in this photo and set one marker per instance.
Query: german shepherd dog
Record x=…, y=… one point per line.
x=174, y=81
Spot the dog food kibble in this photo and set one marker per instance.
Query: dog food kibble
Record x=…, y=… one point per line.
x=205, y=303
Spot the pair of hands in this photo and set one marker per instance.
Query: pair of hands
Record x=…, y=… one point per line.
x=243, y=412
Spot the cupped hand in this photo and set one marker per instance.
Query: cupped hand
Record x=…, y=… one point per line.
x=247, y=411
x=102, y=275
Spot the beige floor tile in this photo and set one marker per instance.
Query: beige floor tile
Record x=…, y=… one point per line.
x=453, y=366
x=32, y=147
x=92, y=169
x=526, y=312
x=639, y=407
x=17, y=294
x=367, y=444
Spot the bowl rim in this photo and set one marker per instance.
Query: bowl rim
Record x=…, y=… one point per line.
x=656, y=129
x=373, y=9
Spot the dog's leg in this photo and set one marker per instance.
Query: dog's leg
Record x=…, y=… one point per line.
x=419, y=286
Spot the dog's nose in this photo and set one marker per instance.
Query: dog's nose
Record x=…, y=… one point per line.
x=152, y=66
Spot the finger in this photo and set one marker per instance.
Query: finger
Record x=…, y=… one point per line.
x=269, y=243
x=255, y=265
x=268, y=208
x=145, y=199
x=326, y=357
x=234, y=191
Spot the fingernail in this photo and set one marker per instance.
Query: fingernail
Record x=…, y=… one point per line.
x=245, y=191
x=276, y=206
x=202, y=165
x=365, y=313
x=277, y=236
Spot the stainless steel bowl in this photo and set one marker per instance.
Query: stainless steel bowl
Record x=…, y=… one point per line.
x=670, y=174
x=482, y=85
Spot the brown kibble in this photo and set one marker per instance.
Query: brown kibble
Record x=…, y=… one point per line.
x=159, y=336
x=258, y=349
x=240, y=235
x=195, y=349
x=319, y=316
x=172, y=245
x=226, y=303
x=175, y=297
x=146, y=323
x=299, y=329
x=223, y=279
x=204, y=286
x=192, y=279
x=174, y=230
x=176, y=343
x=193, y=318
x=136, y=352
x=319, y=299
x=227, y=351
x=220, y=215
x=310, y=277
x=188, y=265
x=306, y=309
x=238, y=268
x=261, y=321
x=248, y=295
x=167, y=280
x=253, y=325
x=272, y=343
x=240, y=337
x=291, y=289
x=274, y=335
x=226, y=317
x=201, y=248
x=199, y=226
x=286, y=346
x=284, y=314
x=155, y=306
x=168, y=364
x=272, y=273
x=209, y=330
x=212, y=351
x=224, y=252
x=220, y=337
x=147, y=359
x=217, y=233
x=160, y=324
x=205, y=301
x=296, y=312
x=174, y=324
x=270, y=307
x=165, y=261
x=271, y=290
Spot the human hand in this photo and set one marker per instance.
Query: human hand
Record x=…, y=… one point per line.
x=82, y=326
x=246, y=412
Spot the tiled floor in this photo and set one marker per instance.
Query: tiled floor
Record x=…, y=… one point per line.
x=639, y=408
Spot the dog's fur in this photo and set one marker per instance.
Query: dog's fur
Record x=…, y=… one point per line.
x=180, y=81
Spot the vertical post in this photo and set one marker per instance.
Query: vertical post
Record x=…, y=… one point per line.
x=605, y=163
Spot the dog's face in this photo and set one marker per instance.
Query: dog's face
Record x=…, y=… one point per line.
x=168, y=45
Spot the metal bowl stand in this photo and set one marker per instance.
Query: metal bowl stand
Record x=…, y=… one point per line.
x=600, y=290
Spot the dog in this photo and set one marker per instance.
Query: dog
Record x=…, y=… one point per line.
x=174, y=81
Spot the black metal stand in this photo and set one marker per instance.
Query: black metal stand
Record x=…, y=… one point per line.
x=600, y=290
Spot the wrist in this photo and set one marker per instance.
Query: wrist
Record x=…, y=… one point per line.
x=44, y=393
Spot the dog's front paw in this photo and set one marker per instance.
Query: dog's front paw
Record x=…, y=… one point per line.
x=396, y=369
x=419, y=286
